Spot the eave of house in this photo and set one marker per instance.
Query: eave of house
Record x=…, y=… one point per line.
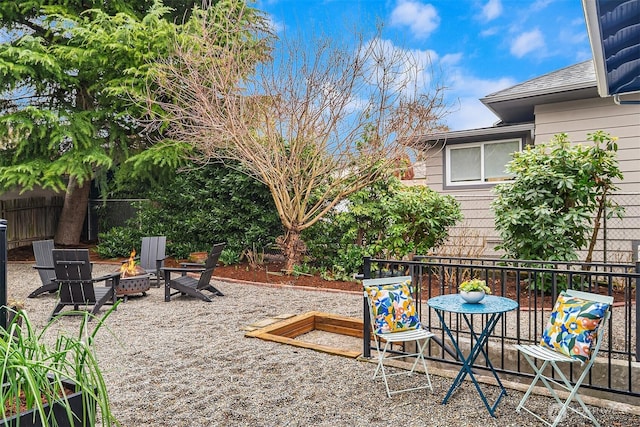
x=516, y=104
x=614, y=34
x=481, y=134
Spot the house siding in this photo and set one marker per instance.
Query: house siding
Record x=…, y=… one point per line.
x=576, y=119
x=579, y=118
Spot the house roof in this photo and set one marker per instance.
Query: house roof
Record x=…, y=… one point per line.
x=516, y=104
x=614, y=34
x=481, y=134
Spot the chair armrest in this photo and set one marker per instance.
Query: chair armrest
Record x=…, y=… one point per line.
x=166, y=271
x=191, y=264
x=43, y=267
x=184, y=270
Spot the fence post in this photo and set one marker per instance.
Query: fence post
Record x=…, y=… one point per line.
x=3, y=273
x=366, y=334
x=637, y=312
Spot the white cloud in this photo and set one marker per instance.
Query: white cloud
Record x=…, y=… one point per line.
x=464, y=92
x=492, y=10
x=422, y=19
x=527, y=42
x=449, y=59
x=470, y=114
x=478, y=87
x=416, y=63
x=492, y=31
x=276, y=26
x=572, y=37
x=463, y=89
x=541, y=4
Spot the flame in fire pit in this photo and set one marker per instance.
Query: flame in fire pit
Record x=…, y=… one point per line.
x=130, y=269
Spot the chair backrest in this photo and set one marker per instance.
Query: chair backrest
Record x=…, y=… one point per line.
x=210, y=265
x=606, y=299
x=590, y=312
x=73, y=274
x=590, y=296
x=42, y=251
x=384, y=281
x=152, y=249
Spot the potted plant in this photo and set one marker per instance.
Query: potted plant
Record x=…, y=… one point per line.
x=473, y=290
x=51, y=382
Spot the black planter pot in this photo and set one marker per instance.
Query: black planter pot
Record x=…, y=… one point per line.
x=82, y=408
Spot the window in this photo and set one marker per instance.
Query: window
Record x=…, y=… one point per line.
x=480, y=163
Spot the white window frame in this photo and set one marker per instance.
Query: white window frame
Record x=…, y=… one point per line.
x=481, y=144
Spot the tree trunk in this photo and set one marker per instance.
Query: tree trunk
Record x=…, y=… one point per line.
x=602, y=202
x=292, y=247
x=73, y=213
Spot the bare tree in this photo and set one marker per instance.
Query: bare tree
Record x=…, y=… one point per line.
x=313, y=125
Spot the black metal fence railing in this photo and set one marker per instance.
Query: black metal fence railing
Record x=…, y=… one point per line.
x=534, y=285
x=3, y=273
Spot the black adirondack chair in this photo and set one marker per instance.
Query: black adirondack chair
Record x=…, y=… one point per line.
x=187, y=285
x=42, y=250
x=152, y=256
x=76, y=286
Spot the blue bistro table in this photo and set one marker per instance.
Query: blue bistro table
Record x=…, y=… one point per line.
x=492, y=306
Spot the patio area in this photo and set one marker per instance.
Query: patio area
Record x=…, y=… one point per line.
x=188, y=363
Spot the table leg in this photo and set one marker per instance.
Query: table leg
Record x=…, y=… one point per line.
x=467, y=362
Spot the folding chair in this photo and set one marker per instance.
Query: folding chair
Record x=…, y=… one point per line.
x=394, y=320
x=574, y=335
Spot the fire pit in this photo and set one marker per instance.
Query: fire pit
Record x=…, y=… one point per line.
x=133, y=285
x=133, y=279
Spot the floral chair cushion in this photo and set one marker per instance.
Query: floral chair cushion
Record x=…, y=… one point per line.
x=573, y=325
x=392, y=308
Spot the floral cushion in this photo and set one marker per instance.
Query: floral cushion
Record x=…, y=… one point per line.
x=573, y=325
x=392, y=308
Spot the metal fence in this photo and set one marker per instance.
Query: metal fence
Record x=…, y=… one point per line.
x=518, y=280
x=3, y=273
x=104, y=214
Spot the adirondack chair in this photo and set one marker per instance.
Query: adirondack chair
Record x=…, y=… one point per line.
x=77, y=287
x=42, y=250
x=152, y=256
x=187, y=285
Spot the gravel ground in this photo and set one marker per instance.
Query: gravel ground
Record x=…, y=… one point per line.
x=187, y=363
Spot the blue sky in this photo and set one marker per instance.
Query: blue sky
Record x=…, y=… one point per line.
x=481, y=46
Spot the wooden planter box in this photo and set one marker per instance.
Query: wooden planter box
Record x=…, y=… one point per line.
x=82, y=415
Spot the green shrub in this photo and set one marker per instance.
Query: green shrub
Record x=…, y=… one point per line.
x=386, y=220
x=547, y=212
x=197, y=208
x=229, y=257
x=118, y=242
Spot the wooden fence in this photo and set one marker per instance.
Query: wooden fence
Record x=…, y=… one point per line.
x=29, y=219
